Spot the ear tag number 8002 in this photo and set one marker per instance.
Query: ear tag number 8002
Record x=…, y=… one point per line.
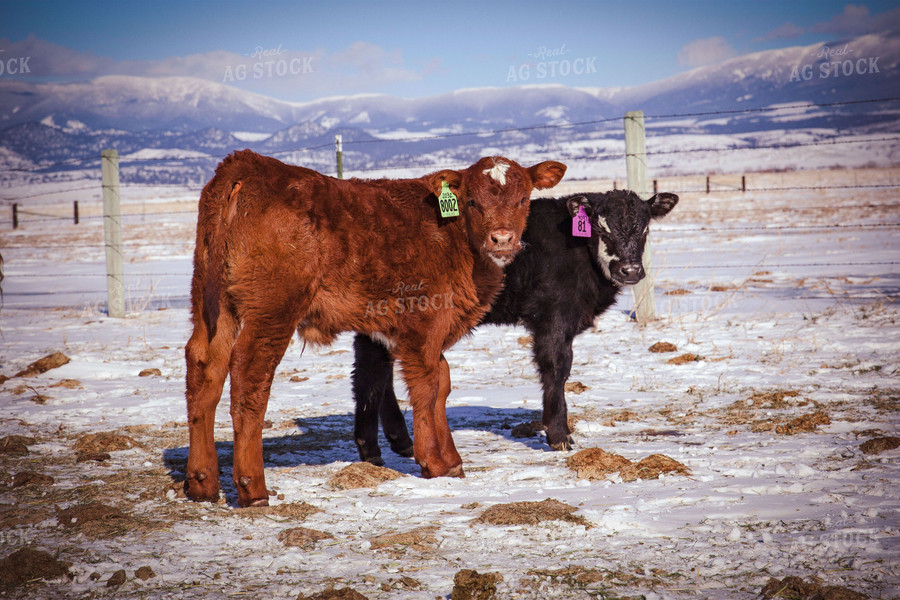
x=447, y=201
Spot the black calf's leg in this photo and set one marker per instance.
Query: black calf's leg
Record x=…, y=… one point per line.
x=393, y=422
x=372, y=376
x=553, y=355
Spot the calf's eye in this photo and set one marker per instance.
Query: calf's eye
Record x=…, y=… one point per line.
x=523, y=201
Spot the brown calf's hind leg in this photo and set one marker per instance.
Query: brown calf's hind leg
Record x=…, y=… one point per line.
x=207, y=368
x=253, y=362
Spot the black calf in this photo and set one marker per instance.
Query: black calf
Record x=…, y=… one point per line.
x=557, y=285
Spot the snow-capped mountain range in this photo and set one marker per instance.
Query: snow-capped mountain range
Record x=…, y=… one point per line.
x=45, y=123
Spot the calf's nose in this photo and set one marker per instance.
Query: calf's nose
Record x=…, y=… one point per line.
x=631, y=272
x=503, y=238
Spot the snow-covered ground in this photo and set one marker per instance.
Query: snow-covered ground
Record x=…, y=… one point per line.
x=788, y=298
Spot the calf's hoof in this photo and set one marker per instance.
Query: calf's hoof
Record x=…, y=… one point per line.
x=375, y=460
x=565, y=444
x=456, y=471
x=200, y=487
x=251, y=492
x=401, y=445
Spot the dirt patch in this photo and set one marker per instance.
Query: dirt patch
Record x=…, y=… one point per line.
x=421, y=539
x=595, y=463
x=470, y=585
x=97, y=520
x=150, y=373
x=774, y=399
x=298, y=511
x=28, y=564
x=526, y=430
x=118, y=578
x=663, y=347
x=722, y=288
x=678, y=292
x=42, y=365
x=31, y=478
x=104, y=441
x=576, y=387
x=804, y=423
x=531, y=513
x=333, y=594
x=362, y=475
x=301, y=537
x=69, y=384
x=14, y=517
x=795, y=588
x=144, y=573
x=684, y=359
x=880, y=444
x=622, y=416
x=16, y=444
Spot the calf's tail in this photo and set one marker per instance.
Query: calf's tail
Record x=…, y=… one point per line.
x=217, y=208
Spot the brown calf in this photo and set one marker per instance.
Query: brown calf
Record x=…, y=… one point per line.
x=283, y=249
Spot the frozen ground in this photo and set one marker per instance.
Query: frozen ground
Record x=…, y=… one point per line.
x=788, y=298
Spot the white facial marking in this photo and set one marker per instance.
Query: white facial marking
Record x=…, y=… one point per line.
x=383, y=340
x=603, y=224
x=604, y=259
x=500, y=261
x=498, y=172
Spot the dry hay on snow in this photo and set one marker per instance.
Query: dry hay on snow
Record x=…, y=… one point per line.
x=596, y=463
x=362, y=475
x=531, y=513
x=468, y=584
x=302, y=537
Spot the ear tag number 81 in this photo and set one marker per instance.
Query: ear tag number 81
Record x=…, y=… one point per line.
x=447, y=201
x=581, y=225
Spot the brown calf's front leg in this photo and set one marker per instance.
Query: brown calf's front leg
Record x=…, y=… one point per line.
x=445, y=438
x=253, y=361
x=207, y=368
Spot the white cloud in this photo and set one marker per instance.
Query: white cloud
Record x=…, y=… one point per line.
x=857, y=19
x=705, y=52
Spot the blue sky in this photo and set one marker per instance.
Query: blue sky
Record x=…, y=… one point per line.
x=411, y=49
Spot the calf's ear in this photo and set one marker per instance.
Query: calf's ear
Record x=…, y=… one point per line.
x=575, y=202
x=546, y=174
x=435, y=181
x=662, y=203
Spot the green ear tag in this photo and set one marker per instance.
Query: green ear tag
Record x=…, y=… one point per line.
x=447, y=202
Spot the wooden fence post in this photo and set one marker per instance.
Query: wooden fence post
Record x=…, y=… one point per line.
x=112, y=234
x=339, y=148
x=15, y=211
x=743, y=183
x=75, y=208
x=636, y=167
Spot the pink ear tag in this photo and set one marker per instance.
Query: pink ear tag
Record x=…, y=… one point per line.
x=581, y=225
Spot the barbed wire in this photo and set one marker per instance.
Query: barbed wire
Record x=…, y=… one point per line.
x=481, y=133
x=754, y=265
